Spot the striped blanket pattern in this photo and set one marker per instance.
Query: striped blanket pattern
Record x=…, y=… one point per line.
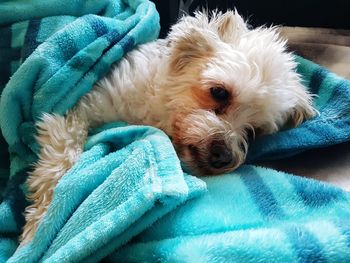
x=252, y=215
x=127, y=199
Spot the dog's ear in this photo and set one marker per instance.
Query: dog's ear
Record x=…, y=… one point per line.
x=188, y=50
x=230, y=25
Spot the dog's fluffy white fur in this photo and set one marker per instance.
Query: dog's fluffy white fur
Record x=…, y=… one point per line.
x=206, y=85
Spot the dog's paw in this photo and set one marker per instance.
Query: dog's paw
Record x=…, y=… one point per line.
x=300, y=114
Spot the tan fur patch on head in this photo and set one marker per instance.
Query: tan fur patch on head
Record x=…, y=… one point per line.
x=203, y=98
x=205, y=101
x=177, y=135
x=191, y=49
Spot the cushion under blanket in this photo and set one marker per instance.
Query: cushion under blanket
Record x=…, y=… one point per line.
x=128, y=194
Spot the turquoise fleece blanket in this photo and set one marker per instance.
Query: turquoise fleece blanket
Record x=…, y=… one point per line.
x=252, y=215
x=127, y=199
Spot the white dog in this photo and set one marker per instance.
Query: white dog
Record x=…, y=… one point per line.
x=206, y=85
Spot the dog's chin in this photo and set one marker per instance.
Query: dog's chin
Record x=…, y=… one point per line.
x=201, y=168
x=205, y=170
x=197, y=159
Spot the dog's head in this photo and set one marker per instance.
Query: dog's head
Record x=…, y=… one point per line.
x=225, y=81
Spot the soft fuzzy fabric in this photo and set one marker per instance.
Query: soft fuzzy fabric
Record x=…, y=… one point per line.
x=252, y=215
x=63, y=49
x=130, y=176
x=127, y=178
x=63, y=57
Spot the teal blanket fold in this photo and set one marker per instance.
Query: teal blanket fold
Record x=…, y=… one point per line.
x=126, y=179
x=127, y=198
x=252, y=215
x=63, y=57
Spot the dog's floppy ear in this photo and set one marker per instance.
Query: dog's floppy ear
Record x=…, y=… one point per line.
x=229, y=25
x=189, y=50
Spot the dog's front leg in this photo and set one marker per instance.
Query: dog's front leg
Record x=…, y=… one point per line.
x=61, y=140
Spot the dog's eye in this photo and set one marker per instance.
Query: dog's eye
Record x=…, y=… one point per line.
x=219, y=94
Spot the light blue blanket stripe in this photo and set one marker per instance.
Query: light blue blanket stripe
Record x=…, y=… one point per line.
x=330, y=239
x=344, y=228
x=233, y=246
x=198, y=217
x=216, y=227
x=196, y=188
x=295, y=244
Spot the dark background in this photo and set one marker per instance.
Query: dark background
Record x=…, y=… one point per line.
x=308, y=13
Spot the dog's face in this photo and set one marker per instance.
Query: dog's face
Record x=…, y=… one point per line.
x=224, y=82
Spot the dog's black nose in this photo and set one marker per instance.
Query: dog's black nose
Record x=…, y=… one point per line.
x=220, y=155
